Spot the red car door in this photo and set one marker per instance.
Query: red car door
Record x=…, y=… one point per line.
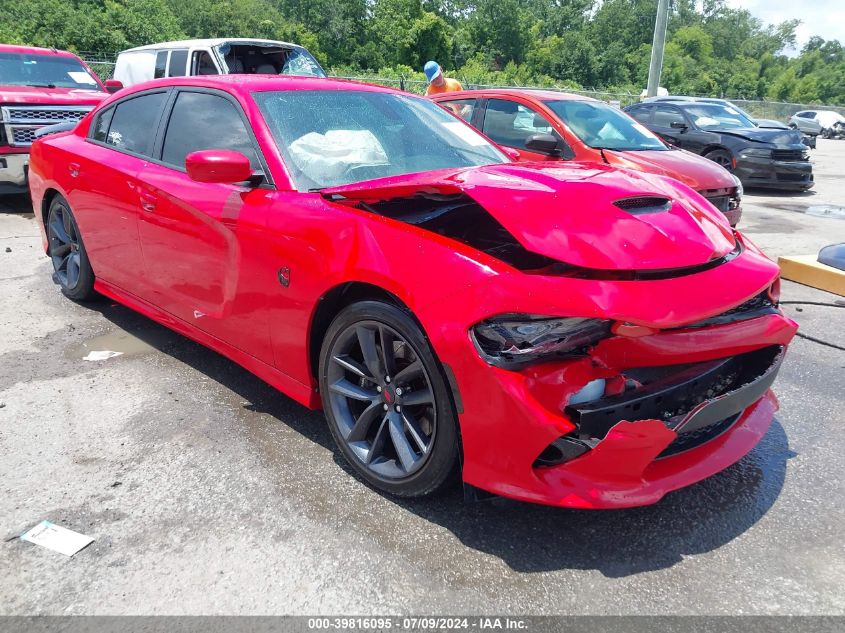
x=105, y=195
x=511, y=124
x=202, y=242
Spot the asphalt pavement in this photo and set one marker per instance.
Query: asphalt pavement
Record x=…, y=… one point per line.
x=210, y=493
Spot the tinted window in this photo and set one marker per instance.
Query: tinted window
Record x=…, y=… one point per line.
x=178, y=63
x=464, y=108
x=602, y=126
x=512, y=124
x=640, y=114
x=161, y=64
x=204, y=121
x=101, y=127
x=134, y=122
x=665, y=116
x=333, y=137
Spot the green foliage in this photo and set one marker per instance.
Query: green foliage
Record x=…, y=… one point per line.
x=711, y=48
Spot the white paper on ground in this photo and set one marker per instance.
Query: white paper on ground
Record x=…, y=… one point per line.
x=101, y=355
x=57, y=538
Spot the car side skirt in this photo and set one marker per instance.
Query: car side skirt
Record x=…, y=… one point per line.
x=303, y=394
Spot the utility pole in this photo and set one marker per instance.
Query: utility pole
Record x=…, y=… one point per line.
x=657, y=47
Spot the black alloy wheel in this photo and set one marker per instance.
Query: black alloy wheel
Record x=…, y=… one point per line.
x=388, y=407
x=71, y=269
x=721, y=157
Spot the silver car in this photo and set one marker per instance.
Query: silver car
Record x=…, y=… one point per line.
x=805, y=121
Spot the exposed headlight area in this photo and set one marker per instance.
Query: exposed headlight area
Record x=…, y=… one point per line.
x=513, y=341
x=755, y=152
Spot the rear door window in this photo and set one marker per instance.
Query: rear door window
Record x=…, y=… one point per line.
x=133, y=125
x=178, y=63
x=641, y=114
x=665, y=116
x=464, y=108
x=205, y=121
x=512, y=124
x=161, y=64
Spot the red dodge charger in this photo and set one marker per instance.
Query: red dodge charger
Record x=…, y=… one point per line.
x=568, y=334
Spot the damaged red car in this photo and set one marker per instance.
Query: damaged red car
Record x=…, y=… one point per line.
x=568, y=334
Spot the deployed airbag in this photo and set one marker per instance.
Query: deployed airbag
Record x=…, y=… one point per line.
x=330, y=155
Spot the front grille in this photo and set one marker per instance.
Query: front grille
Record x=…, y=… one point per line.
x=21, y=122
x=687, y=398
x=793, y=177
x=789, y=154
x=721, y=202
x=23, y=135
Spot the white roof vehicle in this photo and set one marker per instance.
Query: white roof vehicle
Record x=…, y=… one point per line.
x=217, y=56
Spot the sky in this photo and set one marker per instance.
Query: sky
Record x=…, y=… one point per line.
x=825, y=18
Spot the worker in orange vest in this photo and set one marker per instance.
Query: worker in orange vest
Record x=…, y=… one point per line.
x=437, y=83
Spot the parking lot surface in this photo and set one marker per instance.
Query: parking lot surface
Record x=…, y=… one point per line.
x=208, y=492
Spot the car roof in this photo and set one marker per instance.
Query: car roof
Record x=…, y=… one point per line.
x=537, y=95
x=13, y=48
x=677, y=102
x=261, y=83
x=213, y=41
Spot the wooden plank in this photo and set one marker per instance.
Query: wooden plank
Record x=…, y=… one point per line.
x=804, y=269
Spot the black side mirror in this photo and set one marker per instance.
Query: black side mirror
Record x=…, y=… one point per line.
x=678, y=125
x=543, y=144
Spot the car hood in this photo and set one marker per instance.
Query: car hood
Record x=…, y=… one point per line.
x=691, y=169
x=771, y=124
x=765, y=135
x=567, y=212
x=50, y=96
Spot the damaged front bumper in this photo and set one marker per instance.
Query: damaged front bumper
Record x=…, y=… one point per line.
x=683, y=405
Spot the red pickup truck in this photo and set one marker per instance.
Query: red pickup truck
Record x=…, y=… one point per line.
x=38, y=87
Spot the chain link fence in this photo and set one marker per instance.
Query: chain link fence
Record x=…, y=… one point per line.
x=103, y=65
x=100, y=63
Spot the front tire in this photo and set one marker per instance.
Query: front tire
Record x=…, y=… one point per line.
x=388, y=406
x=71, y=268
x=721, y=157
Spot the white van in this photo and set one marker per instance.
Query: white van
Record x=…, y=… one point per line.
x=219, y=56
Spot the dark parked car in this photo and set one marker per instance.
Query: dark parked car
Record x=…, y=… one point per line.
x=765, y=123
x=759, y=157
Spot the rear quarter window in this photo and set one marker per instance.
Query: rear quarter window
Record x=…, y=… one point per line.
x=132, y=123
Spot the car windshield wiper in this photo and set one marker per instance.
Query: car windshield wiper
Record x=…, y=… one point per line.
x=41, y=85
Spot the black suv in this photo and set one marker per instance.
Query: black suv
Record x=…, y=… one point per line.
x=759, y=157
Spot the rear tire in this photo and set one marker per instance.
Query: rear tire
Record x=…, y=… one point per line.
x=71, y=268
x=389, y=409
x=721, y=157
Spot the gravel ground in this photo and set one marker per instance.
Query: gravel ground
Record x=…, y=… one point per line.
x=210, y=493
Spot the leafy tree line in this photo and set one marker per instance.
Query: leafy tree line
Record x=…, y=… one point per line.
x=711, y=48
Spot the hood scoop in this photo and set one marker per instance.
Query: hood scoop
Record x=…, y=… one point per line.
x=639, y=205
